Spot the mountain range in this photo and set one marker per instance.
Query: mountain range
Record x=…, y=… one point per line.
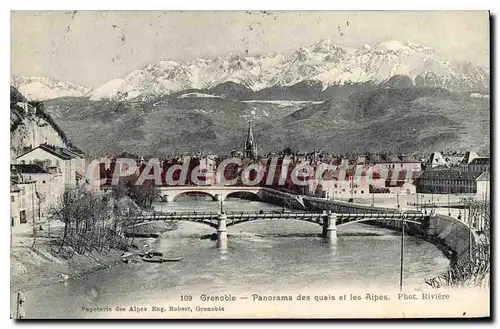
x=391, y=96
x=323, y=64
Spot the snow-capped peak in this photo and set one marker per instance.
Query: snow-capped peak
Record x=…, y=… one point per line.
x=398, y=46
x=323, y=62
x=326, y=46
x=42, y=88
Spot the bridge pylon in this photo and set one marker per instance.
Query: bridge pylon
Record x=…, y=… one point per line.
x=222, y=232
x=433, y=224
x=330, y=226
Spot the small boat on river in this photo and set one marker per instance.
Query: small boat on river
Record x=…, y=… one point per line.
x=160, y=260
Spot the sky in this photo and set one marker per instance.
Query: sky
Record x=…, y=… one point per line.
x=92, y=47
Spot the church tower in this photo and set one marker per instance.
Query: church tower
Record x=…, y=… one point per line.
x=250, y=144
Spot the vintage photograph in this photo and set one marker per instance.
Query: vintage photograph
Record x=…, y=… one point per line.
x=250, y=164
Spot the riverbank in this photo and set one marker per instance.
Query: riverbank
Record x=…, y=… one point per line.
x=45, y=263
x=450, y=235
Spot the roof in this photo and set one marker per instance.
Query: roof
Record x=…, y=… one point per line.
x=398, y=183
x=485, y=176
x=29, y=169
x=453, y=160
x=480, y=161
x=59, y=152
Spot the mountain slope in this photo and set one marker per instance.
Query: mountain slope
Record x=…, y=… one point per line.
x=368, y=118
x=164, y=125
x=31, y=126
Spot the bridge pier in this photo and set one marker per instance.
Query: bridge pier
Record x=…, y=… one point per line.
x=219, y=197
x=167, y=198
x=222, y=232
x=432, y=230
x=330, y=227
x=325, y=224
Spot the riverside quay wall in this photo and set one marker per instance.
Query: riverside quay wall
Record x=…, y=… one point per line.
x=449, y=234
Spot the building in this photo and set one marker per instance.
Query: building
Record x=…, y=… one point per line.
x=446, y=159
x=25, y=205
x=483, y=186
x=208, y=169
x=49, y=184
x=479, y=164
x=250, y=150
x=457, y=178
x=447, y=181
x=15, y=211
x=70, y=163
x=399, y=164
x=349, y=189
x=402, y=188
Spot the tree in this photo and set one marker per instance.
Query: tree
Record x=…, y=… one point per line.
x=91, y=220
x=287, y=151
x=37, y=226
x=144, y=195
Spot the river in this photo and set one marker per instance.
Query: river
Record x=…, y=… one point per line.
x=262, y=257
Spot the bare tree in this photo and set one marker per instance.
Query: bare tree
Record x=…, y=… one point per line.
x=91, y=221
x=37, y=226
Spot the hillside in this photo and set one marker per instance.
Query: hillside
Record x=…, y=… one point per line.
x=405, y=119
x=31, y=125
x=165, y=125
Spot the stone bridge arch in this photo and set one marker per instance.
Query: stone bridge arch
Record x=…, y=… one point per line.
x=247, y=195
x=168, y=194
x=193, y=193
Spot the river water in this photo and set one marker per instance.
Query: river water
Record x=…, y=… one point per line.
x=262, y=257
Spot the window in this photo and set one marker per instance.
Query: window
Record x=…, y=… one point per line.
x=355, y=191
x=362, y=192
x=343, y=190
x=12, y=198
x=43, y=182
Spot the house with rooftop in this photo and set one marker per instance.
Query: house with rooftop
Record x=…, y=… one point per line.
x=49, y=185
x=24, y=200
x=69, y=163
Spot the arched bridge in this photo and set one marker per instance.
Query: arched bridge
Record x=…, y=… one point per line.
x=169, y=193
x=329, y=221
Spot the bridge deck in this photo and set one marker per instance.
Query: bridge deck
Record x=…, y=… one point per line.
x=210, y=218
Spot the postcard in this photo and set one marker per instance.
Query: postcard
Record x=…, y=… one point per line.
x=250, y=164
